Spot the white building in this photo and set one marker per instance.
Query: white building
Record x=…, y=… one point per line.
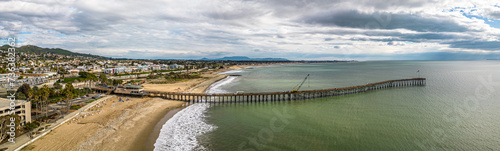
x=155, y=67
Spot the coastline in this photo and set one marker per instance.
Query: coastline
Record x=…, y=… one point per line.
x=152, y=131
x=130, y=125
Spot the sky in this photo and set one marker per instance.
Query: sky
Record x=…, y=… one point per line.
x=292, y=29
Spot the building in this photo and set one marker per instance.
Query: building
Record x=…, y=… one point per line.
x=22, y=108
x=24, y=69
x=13, y=76
x=174, y=66
x=109, y=71
x=81, y=68
x=130, y=89
x=74, y=71
x=118, y=70
x=155, y=67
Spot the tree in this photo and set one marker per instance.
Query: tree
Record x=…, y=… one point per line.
x=4, y=121
x=24, y=88
x=45, y=93
x=31, y=125
x=29, y=94
x=103, y=79
x=20, y=96
x=36, y=100
x=69, y=87
x=86, y=75
x=116, y=82
x=57, y=85
x=68, y=93
x=2, y=71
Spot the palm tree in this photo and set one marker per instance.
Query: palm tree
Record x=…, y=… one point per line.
x=29, y=94
x=45, y=96
x=36, y=96
x=68, y=92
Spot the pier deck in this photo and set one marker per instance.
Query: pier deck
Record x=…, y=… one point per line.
x=283, y=96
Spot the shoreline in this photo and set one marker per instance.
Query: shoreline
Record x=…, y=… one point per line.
x=129, y=125
x=154, y=132
x=202, y=87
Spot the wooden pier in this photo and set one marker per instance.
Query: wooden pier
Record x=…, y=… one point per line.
x=283, y=96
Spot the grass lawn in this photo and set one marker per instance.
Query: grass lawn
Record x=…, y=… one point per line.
x=66, y=80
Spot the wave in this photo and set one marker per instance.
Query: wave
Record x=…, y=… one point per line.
x=217, y=86
x=232, y=71
x=180, y=131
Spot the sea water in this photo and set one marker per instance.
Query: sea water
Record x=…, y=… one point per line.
x=458, y=109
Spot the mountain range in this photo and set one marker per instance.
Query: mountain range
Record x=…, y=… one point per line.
x=31, y=49
x=244, y=58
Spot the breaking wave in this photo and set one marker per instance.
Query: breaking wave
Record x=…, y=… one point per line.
x=181, y=131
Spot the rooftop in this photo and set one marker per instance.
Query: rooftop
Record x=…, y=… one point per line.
x=129, y=86
x=5, y=102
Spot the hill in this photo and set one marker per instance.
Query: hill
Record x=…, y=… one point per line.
x=38, y=50
x=244, y=58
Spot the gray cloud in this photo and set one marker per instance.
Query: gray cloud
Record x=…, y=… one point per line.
x=215, y=28
x=356, y=19
x=480, y=45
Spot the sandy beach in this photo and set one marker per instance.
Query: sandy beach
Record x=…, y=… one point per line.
x=128, y=125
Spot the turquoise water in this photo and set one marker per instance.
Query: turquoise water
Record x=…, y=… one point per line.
x=458, y=109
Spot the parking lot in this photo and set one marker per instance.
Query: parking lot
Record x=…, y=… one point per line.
x=80, y=100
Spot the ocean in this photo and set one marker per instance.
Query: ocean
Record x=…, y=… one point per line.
x=458, y=109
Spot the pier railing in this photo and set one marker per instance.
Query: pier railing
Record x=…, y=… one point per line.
x=283, y=96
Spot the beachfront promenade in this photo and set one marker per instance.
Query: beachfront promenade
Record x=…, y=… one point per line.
x=283, y=96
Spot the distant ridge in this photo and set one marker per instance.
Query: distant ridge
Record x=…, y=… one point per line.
x=38, y=50
x=244, y=58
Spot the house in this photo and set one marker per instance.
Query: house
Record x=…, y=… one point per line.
x=73, y=71
x=24, y=69
x=174, y=66
x=109, y=71
x=13, y=76
x=154, y=67
x=81, y=68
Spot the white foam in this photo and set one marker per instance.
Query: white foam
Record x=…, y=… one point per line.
x=217, y=86
x=180, y=131
x=232, y=71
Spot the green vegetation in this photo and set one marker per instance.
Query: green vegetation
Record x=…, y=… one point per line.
x=2, y=71
x=31, y=126
x=90, y=101
x=4, y=121
x=39, y=51
x=83, y=76
x=88, y=76
x=73, y=79
x=76, y=107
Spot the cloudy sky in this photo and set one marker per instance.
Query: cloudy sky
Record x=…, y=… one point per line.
x=293, y=29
